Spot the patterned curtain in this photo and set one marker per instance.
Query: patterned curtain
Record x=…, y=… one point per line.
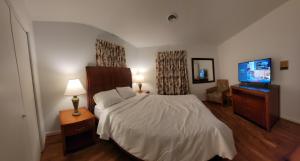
x=109, y=54
x=172, y=73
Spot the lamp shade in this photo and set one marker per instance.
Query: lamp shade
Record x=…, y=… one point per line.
x=139, y=78
x=74, y=88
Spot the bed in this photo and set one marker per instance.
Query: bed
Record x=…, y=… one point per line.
x=155, y=127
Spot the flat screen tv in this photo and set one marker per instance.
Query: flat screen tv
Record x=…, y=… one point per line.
x=257, y=71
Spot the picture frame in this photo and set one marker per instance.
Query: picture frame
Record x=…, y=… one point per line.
x=203, y=70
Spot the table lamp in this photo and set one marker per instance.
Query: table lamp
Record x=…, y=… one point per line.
x=75, y=88
x=139, y=79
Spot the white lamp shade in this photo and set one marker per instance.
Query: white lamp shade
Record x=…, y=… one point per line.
x=139, y=78
x=74, y=88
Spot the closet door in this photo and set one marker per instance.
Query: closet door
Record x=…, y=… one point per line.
x=13, y=137
x=26, y=82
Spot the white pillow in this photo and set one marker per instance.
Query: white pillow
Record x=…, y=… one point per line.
x=107, y=98
x=125, y=92
x=99, y=107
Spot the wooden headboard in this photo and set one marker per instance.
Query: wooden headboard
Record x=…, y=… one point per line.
x=103, y=79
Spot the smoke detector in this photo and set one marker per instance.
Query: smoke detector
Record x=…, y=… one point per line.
x=172, y=17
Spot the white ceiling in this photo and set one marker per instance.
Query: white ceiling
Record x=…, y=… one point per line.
x=144, y=22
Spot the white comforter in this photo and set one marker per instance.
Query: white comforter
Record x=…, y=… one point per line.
x=166, y=128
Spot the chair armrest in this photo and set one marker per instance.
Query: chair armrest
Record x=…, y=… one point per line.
x=212, y=89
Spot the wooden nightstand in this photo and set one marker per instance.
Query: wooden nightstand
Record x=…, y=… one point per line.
x=77, y=131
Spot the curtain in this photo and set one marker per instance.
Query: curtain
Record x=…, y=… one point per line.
x=109, y=54
x=172, y=73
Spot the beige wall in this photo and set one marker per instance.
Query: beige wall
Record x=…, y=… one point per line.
x=277, y=36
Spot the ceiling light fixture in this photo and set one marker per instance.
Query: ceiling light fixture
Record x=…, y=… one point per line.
x=172, y=17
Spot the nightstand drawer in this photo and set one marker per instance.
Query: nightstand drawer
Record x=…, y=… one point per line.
x=79, y=127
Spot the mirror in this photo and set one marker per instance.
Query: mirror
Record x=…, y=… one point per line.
x=203, y=70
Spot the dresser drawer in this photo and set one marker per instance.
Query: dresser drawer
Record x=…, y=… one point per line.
x=256, y=109
x=250, y=106
x=79, y=127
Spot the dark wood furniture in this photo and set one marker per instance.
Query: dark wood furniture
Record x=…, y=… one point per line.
x=77, y=131
x=103, y=79
x=260, y=105
x=228, y=97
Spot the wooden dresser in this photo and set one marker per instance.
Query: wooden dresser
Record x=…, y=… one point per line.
x=259, y=105
x=77, y=131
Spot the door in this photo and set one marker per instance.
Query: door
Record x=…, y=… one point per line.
x=13, y=136
x=26, y=83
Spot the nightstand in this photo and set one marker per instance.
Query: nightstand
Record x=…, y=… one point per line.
x=77, y=131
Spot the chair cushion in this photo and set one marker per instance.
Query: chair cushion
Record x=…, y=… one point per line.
x=222, y=85
x=215, y=96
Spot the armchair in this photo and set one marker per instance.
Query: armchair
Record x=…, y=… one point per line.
x=219, y=92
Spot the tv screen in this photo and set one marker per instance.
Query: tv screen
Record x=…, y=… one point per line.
x=257, y=71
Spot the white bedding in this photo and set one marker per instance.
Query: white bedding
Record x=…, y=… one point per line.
x=98, y=110
x=166, y=128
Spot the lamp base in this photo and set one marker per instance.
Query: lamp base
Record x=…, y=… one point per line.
x=75, y=101
x=140, y=87
x=76, y=113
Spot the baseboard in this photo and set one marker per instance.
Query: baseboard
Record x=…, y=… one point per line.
x=290, y=120
x=51, y=133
